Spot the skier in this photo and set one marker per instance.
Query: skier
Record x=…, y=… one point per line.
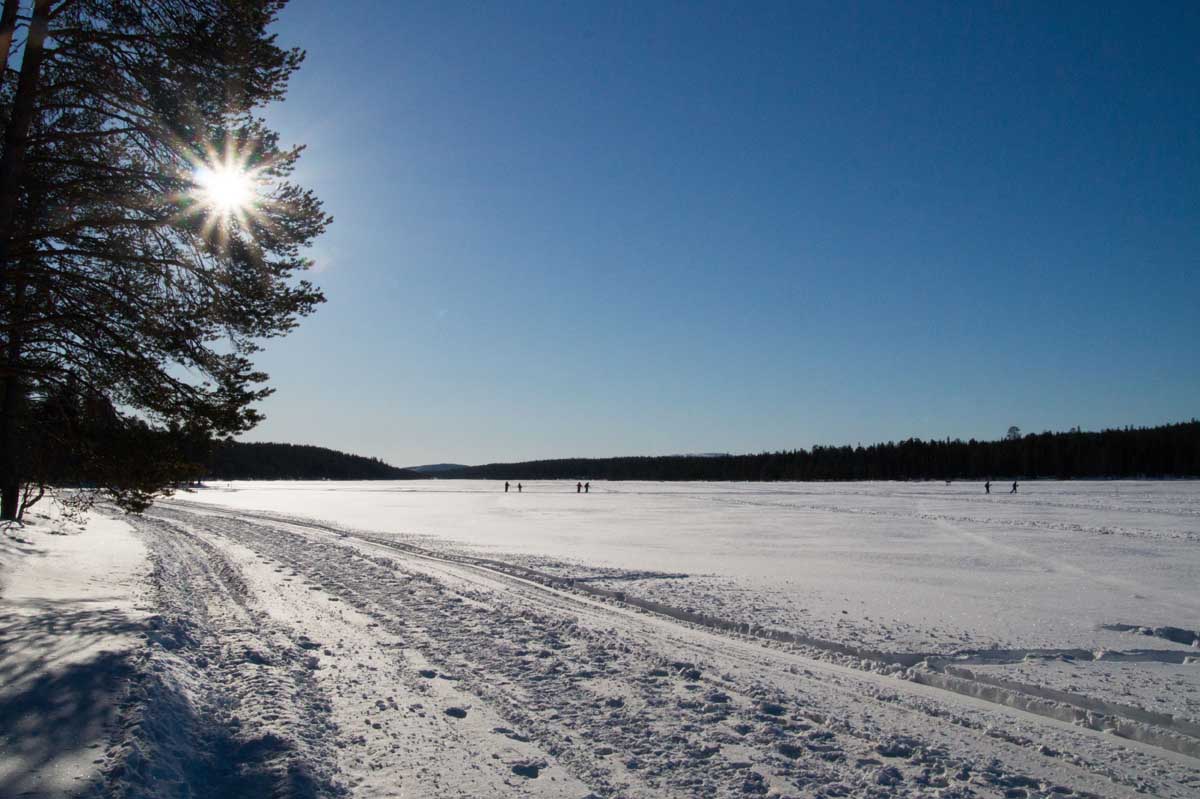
x=1014, y=488
x=518, y=488
x=505, y=486
x=987, y=487
x=587, y=488
x=578, y=487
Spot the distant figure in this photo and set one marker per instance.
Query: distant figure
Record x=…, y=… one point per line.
x=505, y=486
x=1014, y=487
x=587, y=487
x=578, y=487
x=518, y=488
x=987, y=487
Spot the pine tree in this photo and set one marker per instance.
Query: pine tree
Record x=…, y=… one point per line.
x=125, y=279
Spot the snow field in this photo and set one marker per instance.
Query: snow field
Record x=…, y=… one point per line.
x=645, y=640
x=619, y=703
x=71, y=621
x=899, y=567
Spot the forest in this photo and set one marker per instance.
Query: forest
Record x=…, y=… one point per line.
x=1171, y=450
x=235, y=460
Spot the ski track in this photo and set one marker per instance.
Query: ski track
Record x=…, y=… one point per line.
x=318, y=662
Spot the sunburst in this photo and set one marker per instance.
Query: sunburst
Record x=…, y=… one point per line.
x=228, y=189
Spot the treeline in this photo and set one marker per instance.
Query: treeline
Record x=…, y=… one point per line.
x=77, y=439
x=1171, y=450
x=236, y=460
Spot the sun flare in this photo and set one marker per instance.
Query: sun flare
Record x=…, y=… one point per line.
x=228, y=190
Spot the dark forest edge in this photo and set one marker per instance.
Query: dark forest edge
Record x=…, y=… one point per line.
x=236, y=460
x=132, y=461
x=1165, y=451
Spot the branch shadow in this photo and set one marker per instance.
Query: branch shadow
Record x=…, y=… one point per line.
x=59, y=693
x=13, y=544
x=62, y=698
x=36, y=637
x=56, y=715
x=178, y=750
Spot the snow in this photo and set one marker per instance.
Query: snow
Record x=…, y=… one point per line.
x=915, y=567
x=442, y=638
x=69, y=623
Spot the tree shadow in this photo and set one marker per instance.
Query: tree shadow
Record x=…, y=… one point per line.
x=65, y=705
x=59, y=692
x=36, y=637
x=57, y=714
x=60, y=696
x=177, y=750
x=13, y=543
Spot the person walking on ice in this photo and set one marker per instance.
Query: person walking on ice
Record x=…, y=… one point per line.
x=587, y=488
x=1014, y=488
x=987, y=487
x=578, y=487
x=518, y=488
x=505, y=486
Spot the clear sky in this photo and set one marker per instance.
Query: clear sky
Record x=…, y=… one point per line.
x=590, y=229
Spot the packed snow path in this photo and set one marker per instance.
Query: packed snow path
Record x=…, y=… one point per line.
x=322, y=662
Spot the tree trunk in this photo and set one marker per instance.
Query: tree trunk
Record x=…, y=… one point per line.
x=12, y=168
x=12, y=398
x=8, y=26
x=10, y=498
x=16, y=133
x=12, y=402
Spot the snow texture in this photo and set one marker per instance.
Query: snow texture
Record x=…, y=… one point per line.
x=643, y=640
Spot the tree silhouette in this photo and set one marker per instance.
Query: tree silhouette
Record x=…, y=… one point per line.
x=236, y=460
x=125, y=287
x=1167, y=451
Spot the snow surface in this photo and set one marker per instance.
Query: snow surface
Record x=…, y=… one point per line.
x=69, y=623
x=898, y=566
x=443, y=638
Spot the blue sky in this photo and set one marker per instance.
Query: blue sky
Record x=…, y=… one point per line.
x=589, y=229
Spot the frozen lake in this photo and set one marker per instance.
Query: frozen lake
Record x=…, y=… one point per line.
x=896, y=566
x=857, y=640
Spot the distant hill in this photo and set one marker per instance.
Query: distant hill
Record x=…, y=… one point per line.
x=435, y=468
x=1171, y=450
x=237, y=460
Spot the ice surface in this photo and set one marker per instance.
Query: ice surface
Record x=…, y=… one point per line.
x=897, y=566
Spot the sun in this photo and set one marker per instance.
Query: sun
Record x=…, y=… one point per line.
x=230, y=190
x=226, y=188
